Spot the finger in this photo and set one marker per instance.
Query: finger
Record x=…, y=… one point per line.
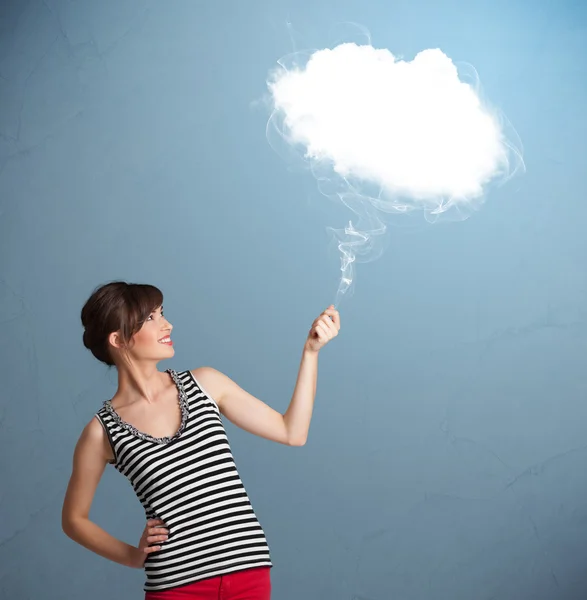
x=157, y=540
x=326, y=315
x=321, y=330
x=153, y=522
x=328, y=328
x=150, y=549
x=329, y=323
x=157, y=530
x=334, y=315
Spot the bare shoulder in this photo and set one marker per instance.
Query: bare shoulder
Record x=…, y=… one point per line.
x=213, y=382
x=94, y=439
x=206, y=373
x=93, y=431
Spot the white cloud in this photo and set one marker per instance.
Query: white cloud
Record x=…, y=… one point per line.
x=413, y=128
x=390, y=135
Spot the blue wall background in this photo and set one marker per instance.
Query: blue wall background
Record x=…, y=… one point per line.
x=448, y=453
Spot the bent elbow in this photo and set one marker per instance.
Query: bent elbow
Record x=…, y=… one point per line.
x=67, y=527
x=70, y=526
x=297, y=442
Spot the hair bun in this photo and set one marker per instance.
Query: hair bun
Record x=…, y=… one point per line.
x=87, y=339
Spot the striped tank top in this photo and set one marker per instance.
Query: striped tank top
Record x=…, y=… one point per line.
x=191, y=483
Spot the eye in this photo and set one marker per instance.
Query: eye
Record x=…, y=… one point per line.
x=152, y=315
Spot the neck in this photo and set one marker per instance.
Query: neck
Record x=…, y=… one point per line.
x=139, y=381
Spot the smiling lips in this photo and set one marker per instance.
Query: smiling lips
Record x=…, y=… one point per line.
x=166, y=341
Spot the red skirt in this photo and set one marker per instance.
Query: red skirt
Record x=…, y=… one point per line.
x=251, y=584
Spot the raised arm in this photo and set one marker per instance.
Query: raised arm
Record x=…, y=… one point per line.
x=253, y=415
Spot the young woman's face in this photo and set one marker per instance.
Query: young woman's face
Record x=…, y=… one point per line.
x=152, y=341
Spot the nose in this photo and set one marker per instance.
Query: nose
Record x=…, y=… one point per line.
x=167, y=325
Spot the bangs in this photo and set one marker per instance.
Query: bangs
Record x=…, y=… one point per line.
x=141, y=301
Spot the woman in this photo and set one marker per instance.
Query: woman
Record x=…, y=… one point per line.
x=164, y=432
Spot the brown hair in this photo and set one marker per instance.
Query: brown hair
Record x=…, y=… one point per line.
x=116, y=306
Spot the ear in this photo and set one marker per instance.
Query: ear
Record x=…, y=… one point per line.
x=114, y=340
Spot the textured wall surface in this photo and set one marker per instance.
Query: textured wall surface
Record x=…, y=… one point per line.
x=448, y=454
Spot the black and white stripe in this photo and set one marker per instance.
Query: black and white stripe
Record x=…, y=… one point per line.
x=191, y=483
